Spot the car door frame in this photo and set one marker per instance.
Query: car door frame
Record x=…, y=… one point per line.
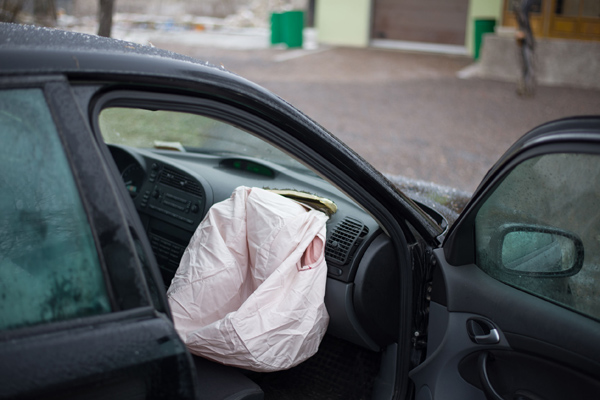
x=287, y=128
x=131, y=351
x=527, y=325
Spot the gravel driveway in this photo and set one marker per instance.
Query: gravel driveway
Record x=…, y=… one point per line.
x=408, y=114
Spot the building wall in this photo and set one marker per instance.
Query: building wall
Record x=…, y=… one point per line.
x=348, y=22
x=479, y=9
x=500, y=61
x=343, y=22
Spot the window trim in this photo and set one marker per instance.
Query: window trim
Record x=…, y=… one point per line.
x=99, y=193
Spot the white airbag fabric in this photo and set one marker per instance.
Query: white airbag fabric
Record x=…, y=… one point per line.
x=249, y=290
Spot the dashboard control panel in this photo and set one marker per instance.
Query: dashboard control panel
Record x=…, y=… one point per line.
x=173, y=196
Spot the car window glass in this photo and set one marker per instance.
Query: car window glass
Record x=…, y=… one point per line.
x=49, y=268
x=540, y=230
x=138, y=127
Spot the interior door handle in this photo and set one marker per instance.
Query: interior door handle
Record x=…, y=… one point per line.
x=491, y=338
x=482, y=331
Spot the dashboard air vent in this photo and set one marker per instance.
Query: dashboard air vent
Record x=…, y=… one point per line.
x=181, y=181
x=343, y=242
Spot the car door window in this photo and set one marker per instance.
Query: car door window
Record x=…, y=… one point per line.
x=49, y=267
x=540, y=230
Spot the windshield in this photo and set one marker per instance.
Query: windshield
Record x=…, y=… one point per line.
x=188, y=132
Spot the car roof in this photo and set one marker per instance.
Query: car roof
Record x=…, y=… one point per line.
x=31, y=50
x=28, y=50
x=17, y=35
x=46, y=40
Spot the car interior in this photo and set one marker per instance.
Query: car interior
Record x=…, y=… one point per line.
x=176, y=163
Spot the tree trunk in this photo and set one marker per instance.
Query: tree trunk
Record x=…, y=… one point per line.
x=10, y=9
x=44, y=12
x=105, y=15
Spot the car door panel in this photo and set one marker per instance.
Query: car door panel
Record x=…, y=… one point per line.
x=518, y=373
x=134, y=355
x=532, y=331
x=439, y=376
x=518, y=313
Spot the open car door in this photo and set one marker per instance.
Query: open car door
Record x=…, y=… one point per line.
x=515, y=306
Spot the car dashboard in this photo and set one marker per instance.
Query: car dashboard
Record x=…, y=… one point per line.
x=173, y=190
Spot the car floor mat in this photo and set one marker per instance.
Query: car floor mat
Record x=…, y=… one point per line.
x=339, y=370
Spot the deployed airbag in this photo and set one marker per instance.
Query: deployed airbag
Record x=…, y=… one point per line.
x=249, y=290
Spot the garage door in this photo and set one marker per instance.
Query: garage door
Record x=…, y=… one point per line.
x=430, y=21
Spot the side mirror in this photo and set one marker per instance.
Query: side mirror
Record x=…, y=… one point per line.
x=537, y=251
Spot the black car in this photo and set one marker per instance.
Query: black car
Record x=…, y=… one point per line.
x=112, y=153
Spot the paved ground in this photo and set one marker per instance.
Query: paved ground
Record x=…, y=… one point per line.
x=407, y=114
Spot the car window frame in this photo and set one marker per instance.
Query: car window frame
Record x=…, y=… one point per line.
x=54, y=246
x=125, y=285
x=290, y=134
x=133, y=347
x=460, y=247
x=85, y=95
x=459, y=244
x=556, y=150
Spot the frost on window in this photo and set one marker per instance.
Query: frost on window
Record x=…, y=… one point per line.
x=49, y=268
x=557, y=191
